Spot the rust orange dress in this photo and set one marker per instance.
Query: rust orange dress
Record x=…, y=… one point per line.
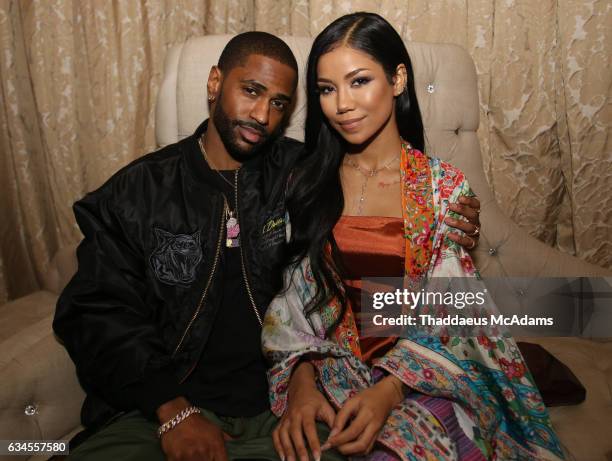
x=370, y=246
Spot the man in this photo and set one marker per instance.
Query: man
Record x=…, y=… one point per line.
x=182, y=253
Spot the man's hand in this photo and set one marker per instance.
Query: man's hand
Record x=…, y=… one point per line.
x=368, y=412
x=194, y=439
x=306, y=405
x=469, y=208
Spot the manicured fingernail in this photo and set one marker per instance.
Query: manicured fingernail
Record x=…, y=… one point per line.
x=282, y=457
x=317, y=456
x=326, y=446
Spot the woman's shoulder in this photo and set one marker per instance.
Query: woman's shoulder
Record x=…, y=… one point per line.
x=439, y=168
x=447, y=170
x=448, y=178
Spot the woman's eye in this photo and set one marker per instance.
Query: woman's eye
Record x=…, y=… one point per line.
x=325, y=89
x=360, y=81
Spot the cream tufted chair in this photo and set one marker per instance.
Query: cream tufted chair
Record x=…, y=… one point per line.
x=39, y=394
x=445, y=81
x=446, y=86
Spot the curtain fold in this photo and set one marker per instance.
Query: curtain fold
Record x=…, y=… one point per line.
x=79, y=81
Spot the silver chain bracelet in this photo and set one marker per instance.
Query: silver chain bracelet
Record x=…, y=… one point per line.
x=178, y=418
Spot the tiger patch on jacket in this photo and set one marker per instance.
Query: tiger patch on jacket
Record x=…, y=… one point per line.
x=176, y=257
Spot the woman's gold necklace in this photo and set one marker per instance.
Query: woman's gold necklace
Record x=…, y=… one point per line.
x=367, y=174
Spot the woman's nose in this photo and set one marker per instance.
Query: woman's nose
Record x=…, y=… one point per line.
x=344, y=101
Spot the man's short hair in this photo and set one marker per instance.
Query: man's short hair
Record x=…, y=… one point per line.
x=240, y=47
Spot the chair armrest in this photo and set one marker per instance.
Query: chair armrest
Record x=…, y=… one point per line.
x=63, y=266
x=40, y=397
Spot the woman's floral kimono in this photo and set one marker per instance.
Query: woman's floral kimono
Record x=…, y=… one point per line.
x=482, y=383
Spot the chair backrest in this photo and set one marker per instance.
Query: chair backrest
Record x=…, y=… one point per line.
x=445, y=80
x=446, y=86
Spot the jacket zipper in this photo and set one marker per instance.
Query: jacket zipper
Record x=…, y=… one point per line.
x=244, y=274
x=207, y=286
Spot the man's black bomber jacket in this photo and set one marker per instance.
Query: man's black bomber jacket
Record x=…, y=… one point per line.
x=137, y=314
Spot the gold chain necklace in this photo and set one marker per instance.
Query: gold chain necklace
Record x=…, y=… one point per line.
x=232, y=227
x=367, y=174
x=210, y=164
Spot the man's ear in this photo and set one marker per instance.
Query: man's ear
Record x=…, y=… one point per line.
x=400, y=80
x=214, y=83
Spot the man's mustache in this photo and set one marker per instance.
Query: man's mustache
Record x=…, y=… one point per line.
x=254, y=126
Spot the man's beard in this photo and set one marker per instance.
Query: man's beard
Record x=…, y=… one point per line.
x=226, y=129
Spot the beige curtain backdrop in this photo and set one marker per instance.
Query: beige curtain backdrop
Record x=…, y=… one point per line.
x=79, y=80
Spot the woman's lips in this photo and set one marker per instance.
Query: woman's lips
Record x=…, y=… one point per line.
x=249, y=134
x=351, y=125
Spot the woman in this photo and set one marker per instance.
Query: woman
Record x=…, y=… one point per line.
x=367, y=202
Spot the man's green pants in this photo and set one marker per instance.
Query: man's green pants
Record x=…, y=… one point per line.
x=133, y=438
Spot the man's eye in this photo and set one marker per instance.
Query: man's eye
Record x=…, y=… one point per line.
x=250, y=90
x=360, y=81
x=280, y=105
x=325, y=89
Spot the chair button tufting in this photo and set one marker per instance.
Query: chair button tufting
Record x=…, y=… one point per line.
x=492, y=251
x=30, y=410
x=431, y=88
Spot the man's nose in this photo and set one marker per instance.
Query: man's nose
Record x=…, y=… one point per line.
x=261, y=111
x=344, y=100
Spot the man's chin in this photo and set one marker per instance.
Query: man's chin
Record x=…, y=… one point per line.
x=244, y=151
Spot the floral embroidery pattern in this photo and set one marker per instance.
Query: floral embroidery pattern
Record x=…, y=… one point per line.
x=419, y=223
x=484, y=376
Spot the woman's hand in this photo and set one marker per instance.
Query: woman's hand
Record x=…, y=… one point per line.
x=369, y=410
x=306, y=405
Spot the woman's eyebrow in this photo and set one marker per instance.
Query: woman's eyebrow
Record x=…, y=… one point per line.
x=355, y=72
x=347, y=76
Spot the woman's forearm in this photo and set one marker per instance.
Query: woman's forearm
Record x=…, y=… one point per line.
x=302, y=377
x=393, y=387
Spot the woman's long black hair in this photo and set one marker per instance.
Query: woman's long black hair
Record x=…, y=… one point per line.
x=315, y=200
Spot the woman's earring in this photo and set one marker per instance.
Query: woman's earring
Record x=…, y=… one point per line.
x=211, y=99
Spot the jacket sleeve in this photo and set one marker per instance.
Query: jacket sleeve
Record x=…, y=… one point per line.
x=103, y=319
